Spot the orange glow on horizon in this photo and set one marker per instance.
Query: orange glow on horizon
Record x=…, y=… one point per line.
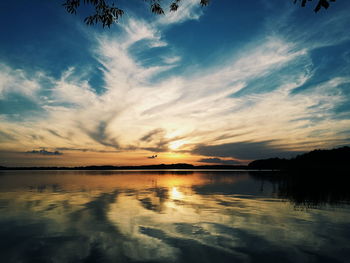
x=77, y=158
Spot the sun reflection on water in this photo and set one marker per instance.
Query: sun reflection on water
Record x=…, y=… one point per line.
x=162, y=217
x=176, y=194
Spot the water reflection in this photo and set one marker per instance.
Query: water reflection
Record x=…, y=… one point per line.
x=176, y=194
x=311, y=190
x=165, y=217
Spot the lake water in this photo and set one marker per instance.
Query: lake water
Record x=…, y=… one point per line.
x=168, y=216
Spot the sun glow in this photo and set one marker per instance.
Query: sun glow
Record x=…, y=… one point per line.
x=176, y=144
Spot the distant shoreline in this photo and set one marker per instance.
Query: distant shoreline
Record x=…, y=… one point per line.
x=148, y=170
x=181, y=167
x=316, y=160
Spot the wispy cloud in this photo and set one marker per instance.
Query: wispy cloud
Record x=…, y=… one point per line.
x=218, y=161
x=44, y=152
x=244, y=107
x=188, y=10
x=17, y=81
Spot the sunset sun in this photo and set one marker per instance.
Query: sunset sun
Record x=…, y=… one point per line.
x=175, y=145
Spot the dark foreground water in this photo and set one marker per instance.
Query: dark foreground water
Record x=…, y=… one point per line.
x=111, y=216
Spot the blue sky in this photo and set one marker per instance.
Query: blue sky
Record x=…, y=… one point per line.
x=231, y=82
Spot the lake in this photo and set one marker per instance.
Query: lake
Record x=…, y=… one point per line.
x=170, y=216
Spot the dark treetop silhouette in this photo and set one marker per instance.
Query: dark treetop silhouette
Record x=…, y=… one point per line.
x=321, y=160
x=107, y=14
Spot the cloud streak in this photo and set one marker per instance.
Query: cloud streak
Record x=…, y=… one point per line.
x=247, y=106
x=45, y=152
x=219, y=161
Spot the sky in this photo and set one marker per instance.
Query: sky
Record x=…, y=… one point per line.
x=224, y=84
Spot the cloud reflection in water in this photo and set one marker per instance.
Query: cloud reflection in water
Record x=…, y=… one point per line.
x=161, y=217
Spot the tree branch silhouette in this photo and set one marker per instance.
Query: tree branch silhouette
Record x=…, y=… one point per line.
x=107, y=14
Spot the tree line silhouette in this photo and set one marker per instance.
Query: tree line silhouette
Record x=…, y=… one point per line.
x=334, y=159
